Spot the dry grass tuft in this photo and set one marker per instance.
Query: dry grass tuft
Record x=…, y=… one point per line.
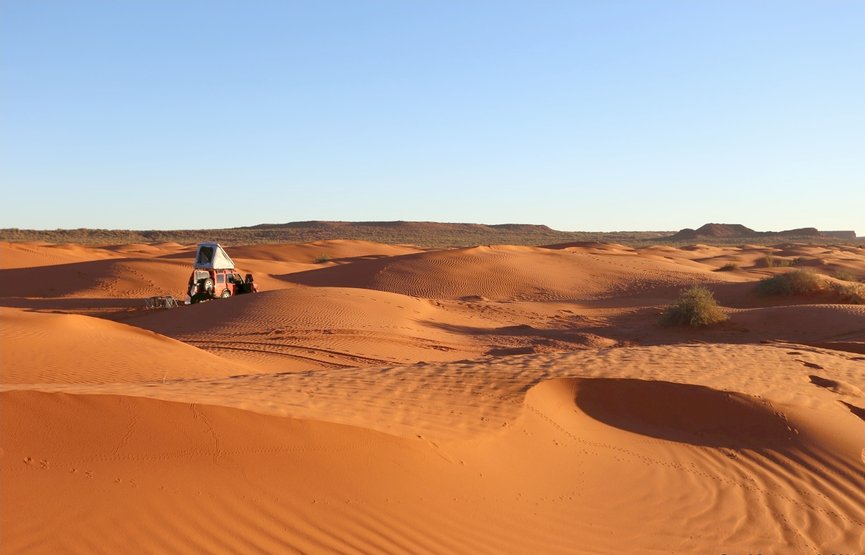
x=844, y=275
x=728, y=267
x=851, y=293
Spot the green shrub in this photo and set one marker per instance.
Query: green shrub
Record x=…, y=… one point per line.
x=797, y=282
x=851, y=293
x=321, y=259
x=695, y=307
x=729, y=267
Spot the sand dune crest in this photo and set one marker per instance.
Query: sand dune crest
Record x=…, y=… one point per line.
x=387, y=399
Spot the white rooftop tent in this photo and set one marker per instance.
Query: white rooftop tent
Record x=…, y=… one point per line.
x=211, y=256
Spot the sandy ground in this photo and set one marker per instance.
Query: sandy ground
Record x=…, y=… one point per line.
x=384, y=399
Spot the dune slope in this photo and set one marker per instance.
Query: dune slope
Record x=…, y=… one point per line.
x=383, y=399
x=304, y=327
x=508, y=273
x=562, y=476
x=42, y=348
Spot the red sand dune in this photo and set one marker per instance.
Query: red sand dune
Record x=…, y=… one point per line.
x=68, y=348
x=509, y=273
x=321, y=251
x=30, y=255
x=483, y=400
x=306, y=327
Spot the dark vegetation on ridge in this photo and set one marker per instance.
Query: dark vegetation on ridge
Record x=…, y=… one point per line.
x=424, y=234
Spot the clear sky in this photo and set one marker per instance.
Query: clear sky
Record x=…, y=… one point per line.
x=602, y=115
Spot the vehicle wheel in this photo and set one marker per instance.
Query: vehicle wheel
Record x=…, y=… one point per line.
x=225, y=294
x=208, y=285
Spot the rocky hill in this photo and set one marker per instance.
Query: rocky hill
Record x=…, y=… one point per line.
x=712, y=232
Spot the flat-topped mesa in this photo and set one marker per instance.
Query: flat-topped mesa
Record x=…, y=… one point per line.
x=840, y=234
x=798, y=232
x=735, y=231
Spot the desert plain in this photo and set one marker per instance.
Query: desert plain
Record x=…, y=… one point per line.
x=377, y=398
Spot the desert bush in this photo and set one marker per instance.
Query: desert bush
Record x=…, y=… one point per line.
x=807, y=261
x=851, y=293
x=729, y=267
x=797, y=282
x=321, y=259
x=844, y=275
x=773, y=261
x=695, y=307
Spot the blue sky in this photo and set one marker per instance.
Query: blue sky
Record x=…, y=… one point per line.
x=605, y=115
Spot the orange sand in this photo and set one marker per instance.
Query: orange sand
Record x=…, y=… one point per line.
x=387, y=399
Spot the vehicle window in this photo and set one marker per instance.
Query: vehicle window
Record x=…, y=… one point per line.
x=220, y=278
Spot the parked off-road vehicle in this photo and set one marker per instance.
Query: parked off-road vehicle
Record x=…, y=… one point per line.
x=215, y=276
